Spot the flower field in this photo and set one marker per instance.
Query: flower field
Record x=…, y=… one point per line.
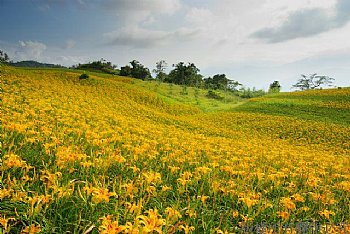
x=104, y=155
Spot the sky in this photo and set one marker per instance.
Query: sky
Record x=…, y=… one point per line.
x=252, y=41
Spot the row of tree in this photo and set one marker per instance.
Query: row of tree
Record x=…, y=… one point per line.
x=182, y=74
x=187, y=74
x=102, y=65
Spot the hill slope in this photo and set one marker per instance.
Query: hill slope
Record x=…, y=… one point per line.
x=110, y=153
x=330, y=105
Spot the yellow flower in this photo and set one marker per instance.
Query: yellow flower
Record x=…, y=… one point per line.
x=297, y=197
x=235, y=213
x=172, y=214
x=191, y=213
x=152, y=222
x=152, y=177
x=109, y=226
x=13, y=160
x=173, y=169
x=187, y=229
x=50, y=178
x=288, y=203
x=130, y=189
x=326, y=213
x=86, y=164
x=248, y=201
x=5, y=193
x=4, y=222
x=32, y=229
x=101, y=195
x=203, y=198
x=165, y=188
x=283, y=214
x=218, y=231
x=134, y=208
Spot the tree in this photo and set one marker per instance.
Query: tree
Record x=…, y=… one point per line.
x=101, y=65
x=275, y=87
x=160, y=70
x=137, y=70
x=125, y=71
x=232, y=85
x=4, y=58
x=185, y=74
x=313, y=81
x=220, y=81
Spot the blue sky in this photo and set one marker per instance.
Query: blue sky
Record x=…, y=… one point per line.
x=252, y=41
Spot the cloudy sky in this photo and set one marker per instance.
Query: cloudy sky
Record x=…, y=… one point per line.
x=252, y=41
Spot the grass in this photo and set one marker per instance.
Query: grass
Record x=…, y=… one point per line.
x=331, y=106
x=113, y=154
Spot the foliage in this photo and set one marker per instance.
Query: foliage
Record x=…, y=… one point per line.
x=125, y=71
x=4, y=58
x=184, y=74
x=101, y=65
x=250, y=93
x=275, y=87
x=313, y=81
x=215, y=95
x=220, y=81
x=112, y=156
x=83, y=76
x=160, y=71
x=137, y=70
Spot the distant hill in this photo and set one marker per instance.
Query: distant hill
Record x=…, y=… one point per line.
x=31, y=63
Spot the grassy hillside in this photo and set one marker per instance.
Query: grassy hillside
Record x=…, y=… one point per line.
x=331, y=105
x=118, y=155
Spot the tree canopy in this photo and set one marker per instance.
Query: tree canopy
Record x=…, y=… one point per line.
x=101, y=65
x=160, y=70
x=136, y=70
x=275, y=87
x=220, y=81
x=185, y=74
x=313, y=81
x=4, y=58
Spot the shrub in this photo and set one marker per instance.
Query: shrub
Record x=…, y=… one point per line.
x=83, y=76
x=214, y=95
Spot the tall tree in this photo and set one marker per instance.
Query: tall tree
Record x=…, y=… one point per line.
x=160, y=70
x=137, y=70
x=4, y=58
x=220, y=81
x=185, y=74
x=313, y=81
x=125, y=71
x=275, y=87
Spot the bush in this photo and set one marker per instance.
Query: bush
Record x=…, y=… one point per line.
x=214, y=95
x=83, y=76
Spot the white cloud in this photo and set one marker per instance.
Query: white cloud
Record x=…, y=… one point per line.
x=137, y=37
x=307, y=22
x=69, y=44
x=152, y=6
x=29, y=50
x=134, y=12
